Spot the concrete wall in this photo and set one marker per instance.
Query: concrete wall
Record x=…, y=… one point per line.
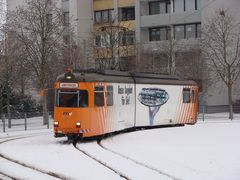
x=12, y=4
x=211, y=6
x=82, y=11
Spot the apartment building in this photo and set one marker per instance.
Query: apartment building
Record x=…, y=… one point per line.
x=156, y=19
x=146, y=22
x=114, y=30
x=142, y=27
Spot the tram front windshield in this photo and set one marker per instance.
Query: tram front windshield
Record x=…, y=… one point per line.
x=72, y=98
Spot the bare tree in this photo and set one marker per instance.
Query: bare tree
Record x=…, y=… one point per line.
x=78, y=52
x=38, y=26
x=161, y=53
x=169, y=49
x=220, y=45
x=2, y=11
x=2, y=20
x=114, y=45
x=7, y=78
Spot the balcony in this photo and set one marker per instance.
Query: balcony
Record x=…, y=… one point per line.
x=171, y=18
x=180, y=45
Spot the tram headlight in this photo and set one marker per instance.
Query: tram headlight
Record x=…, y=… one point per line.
x=78, y=124
x=68, y=77
x=69, y=74
x=56, y=124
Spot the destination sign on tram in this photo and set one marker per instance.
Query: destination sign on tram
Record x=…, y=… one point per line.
x=69, y=85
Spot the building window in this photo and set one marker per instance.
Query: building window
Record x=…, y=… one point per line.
x=162, y=7
x=66, y=18
x=198, y=33
x=160, y=34
x=98, y=40
x=127, y=14
x=99, y=96
x=190, y=5
x=104, y=40
x=127, y=38
x=179, y=32
x=186, y=95
x=197, y=4
x=101, y=63
x=98, y=16
x=104, y=16
x=185, y=5
x=184, y=31
x=154, y=8
x=168, y=6
x=109, y=95
x=49, y=19
x=154, y=34
x=130, y=36
x=178, y=6
x=163, y=34
x=111, y=15
x=122, y=38
x=173, y=5
x=159, y=7
x=190, y=31
x=187, y=31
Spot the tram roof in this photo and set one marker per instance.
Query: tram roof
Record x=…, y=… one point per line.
x=125, y=77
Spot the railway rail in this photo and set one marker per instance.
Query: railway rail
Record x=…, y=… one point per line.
x=100, y=162
x=140, y=168
x=137, y=162
x=27, y=167
x=108, y=158
x=3, y=176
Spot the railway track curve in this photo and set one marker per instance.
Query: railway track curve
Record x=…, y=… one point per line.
x=26, y=168
x=106, y=156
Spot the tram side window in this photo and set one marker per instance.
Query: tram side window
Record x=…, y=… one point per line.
x=83, y=98
x=186, y=95
x=99, y=96
x=68, y=99
x=193, y=96
x=109, y=95
x=56, y=98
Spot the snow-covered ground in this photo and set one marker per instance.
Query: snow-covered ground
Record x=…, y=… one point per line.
x=208, y=150
x=34, y=123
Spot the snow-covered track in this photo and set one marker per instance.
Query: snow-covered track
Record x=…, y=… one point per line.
x=27, y=168
x=137, y=162
x=4, y=176
x=120, y=164
x=100, y=162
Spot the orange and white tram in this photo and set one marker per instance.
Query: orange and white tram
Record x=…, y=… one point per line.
x=92, y=104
